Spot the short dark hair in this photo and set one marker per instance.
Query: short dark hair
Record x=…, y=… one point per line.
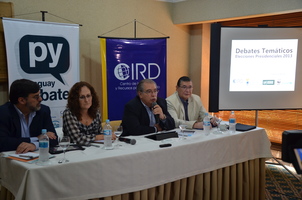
x=184, y=79
x=140, y=88
x=22, y=88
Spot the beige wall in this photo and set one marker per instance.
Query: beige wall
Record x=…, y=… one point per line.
x=196, y=11
x=100, y=16
x=188, y=50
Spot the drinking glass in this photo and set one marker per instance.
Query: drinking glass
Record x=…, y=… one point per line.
x=118, y=131
x=182, y=127
x=64, y=143
x=218, y=120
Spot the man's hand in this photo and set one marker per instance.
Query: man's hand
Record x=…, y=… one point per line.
x=51, y=135
x=198, y=125
x=25, y=147
x=158, y=127
x=214, y=121
x=158, y=111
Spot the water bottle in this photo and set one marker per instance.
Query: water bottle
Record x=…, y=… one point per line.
x=108, y=135
x=206, y=124
x=43, y=147
x=232, y=122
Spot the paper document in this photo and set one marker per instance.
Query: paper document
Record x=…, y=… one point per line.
x=25, y=156
x=186, y=133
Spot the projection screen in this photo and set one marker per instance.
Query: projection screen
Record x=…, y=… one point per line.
x=255, y=68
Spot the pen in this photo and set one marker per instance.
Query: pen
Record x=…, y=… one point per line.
x=26, y=156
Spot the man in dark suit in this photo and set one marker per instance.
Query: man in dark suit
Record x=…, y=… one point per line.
x=23, y=118
x=146, y=113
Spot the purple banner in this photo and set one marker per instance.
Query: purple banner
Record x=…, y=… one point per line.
x=129, y=61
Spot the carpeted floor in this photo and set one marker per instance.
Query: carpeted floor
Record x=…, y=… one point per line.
x=281, y=184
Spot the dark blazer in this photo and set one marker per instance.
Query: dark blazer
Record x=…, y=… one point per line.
x=136, y=120
x=10, y=126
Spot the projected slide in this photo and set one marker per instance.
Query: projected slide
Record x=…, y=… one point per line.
x=263, y=65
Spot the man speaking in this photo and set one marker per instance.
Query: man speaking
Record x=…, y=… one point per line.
x=146, y=113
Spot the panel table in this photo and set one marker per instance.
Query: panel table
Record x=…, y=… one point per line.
x=224, y=166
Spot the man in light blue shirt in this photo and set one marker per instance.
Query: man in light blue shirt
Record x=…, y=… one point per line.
x=146, y=113
x=23, y=118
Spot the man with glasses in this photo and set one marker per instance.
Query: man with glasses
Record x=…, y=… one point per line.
x=185, y=107
x=23, y=118
x=146, y=113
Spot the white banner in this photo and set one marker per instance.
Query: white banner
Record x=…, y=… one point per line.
x=47, y=53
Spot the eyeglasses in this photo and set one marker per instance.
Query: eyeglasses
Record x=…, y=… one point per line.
x=88, y=96
x=37, y=97
x=186, y=87
x=151, y=91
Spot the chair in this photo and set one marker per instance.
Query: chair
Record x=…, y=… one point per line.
x=113, y=124
x=291, y=139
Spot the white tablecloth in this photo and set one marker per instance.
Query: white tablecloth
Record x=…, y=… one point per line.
x=96, y=172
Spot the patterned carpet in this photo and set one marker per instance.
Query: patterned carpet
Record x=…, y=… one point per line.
x=281, y=184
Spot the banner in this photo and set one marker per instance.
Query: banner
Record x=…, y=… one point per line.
x=124, y=63
x=47, y=53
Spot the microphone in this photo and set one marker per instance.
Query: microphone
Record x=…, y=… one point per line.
x=156, y=116
x=127, y=140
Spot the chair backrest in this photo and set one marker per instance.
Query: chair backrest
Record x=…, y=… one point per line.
x=290, y=139
x=113, y=124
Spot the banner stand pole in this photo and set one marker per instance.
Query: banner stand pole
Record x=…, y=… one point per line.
x=134, y=28
x=256, y=118
x=135, y=22
x=43, y=15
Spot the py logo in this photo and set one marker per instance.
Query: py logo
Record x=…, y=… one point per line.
x=44, y=55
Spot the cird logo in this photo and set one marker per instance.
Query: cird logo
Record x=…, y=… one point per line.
x=122, y=71
x=138, y=71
